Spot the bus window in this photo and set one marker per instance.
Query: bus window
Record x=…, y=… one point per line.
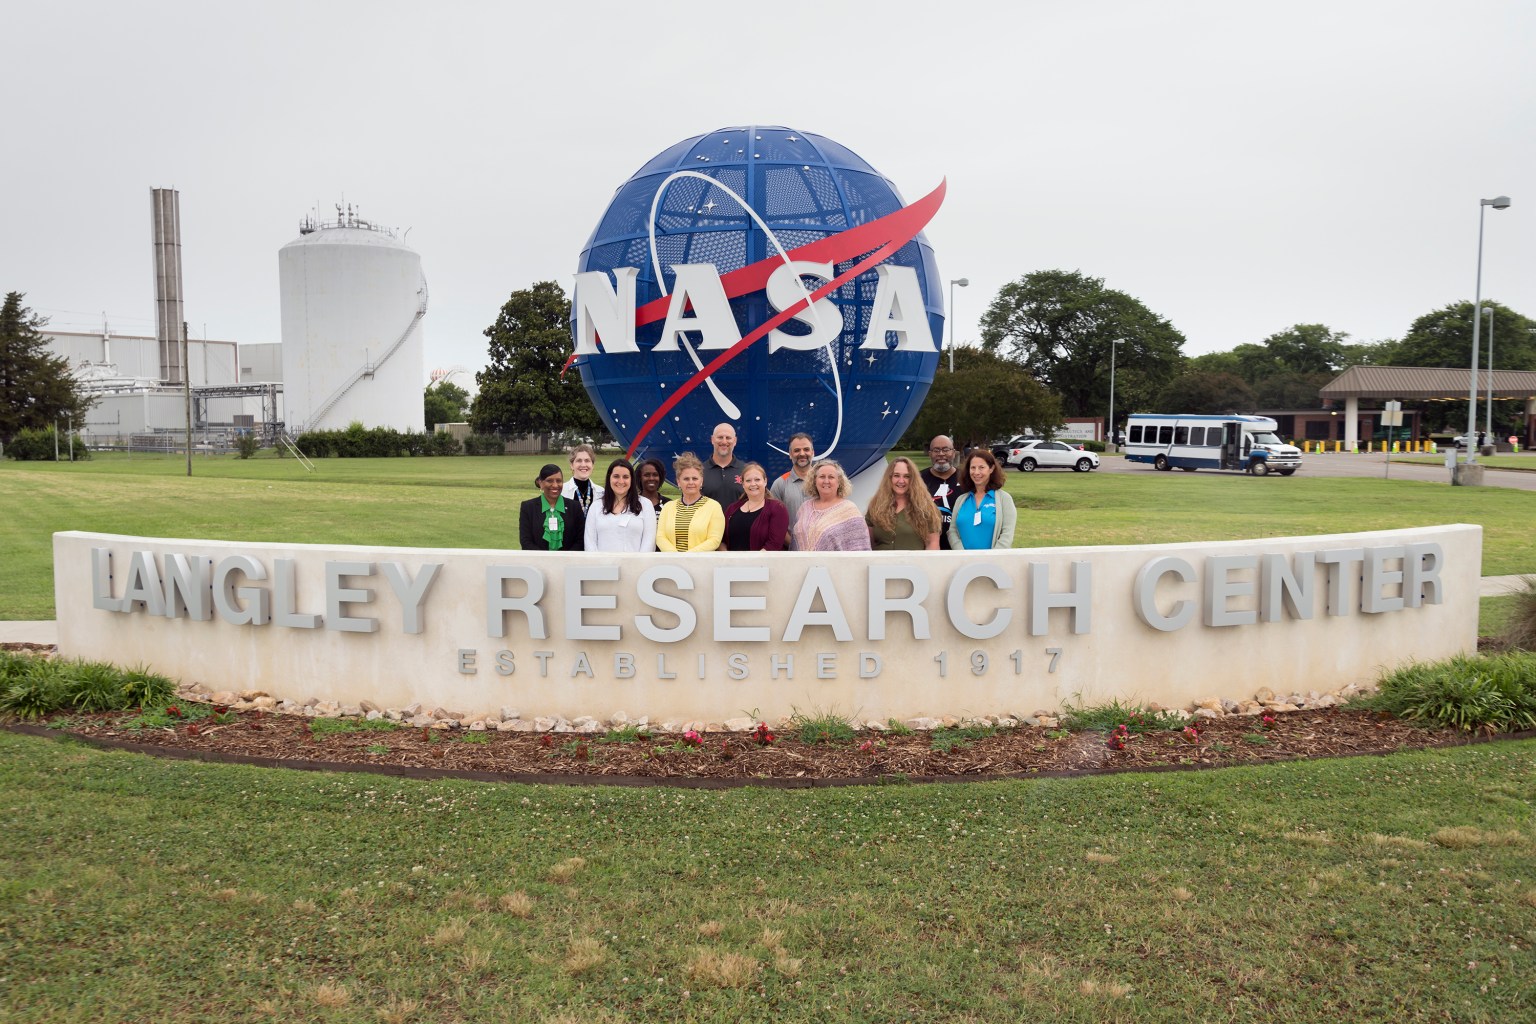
x=1164, y=435
x=1136, y=433
x=1197, y=436
x=1181, y=435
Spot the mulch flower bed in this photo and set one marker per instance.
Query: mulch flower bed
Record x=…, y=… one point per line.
x=737, y=758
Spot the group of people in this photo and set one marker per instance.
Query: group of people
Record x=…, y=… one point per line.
x=725, y=504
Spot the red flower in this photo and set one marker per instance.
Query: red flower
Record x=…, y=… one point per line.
x=173, y=711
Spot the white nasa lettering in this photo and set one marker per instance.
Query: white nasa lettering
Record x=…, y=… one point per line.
x=606, y=312
x=823, y=318
x=698, y=284
x=898, y=309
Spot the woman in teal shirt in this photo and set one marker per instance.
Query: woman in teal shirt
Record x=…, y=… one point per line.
x=984, y=513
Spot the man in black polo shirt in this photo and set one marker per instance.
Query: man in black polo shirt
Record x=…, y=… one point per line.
x=722, y=471
x=943, y=482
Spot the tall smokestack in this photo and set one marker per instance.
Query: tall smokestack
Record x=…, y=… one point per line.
x=165, y=214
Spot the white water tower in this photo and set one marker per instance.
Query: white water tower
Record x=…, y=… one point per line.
x=353, y=298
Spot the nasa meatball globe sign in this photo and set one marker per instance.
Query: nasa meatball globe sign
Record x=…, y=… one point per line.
x=767, y=278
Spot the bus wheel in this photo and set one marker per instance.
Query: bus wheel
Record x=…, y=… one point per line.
x=1188, y=469
x=1259, y=468
x=1161, y=463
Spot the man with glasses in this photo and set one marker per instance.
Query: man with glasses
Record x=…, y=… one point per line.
x=943, y=482
x=790, y=488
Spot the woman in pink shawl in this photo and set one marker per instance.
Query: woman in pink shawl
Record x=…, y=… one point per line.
x=828, y=521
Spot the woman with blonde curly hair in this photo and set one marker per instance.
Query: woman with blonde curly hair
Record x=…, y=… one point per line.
x=692, y=522
x=902, y=515
x=828, y=521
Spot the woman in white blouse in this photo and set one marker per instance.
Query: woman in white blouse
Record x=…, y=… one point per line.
x=621, y=519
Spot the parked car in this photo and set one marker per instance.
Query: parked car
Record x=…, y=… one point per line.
x=1000, y=449
x=1463, y=440
x=1038, y=454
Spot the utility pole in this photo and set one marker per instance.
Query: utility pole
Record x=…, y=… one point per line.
x=186, y=380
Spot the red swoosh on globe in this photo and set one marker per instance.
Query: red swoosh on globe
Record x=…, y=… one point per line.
x=884, y=235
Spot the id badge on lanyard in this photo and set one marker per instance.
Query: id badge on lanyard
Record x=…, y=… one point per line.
x=554, y=523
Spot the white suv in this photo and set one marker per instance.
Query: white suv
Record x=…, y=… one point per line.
x=1037, y=454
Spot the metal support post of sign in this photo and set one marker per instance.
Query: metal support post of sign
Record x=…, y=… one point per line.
x=1391, y=416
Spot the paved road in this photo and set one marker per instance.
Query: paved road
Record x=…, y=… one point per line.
x=1375, y=466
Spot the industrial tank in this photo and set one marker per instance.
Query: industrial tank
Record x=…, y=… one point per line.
x=353, y=298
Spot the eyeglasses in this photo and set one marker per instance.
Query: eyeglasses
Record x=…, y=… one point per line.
x=940, y=451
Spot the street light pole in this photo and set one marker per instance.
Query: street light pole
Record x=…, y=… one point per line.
x=963, y=283
x=1113, y=348
x=1498, y=203
x=1488, y=398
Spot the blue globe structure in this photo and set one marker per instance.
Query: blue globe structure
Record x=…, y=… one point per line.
x=733, y=198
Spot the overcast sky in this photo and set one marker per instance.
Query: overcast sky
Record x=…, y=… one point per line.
x=1238, y=167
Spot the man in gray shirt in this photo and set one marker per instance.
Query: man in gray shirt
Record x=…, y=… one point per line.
x=790, y=488
x=722, y=470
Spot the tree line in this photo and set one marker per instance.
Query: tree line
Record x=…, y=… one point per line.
x=1045, y=356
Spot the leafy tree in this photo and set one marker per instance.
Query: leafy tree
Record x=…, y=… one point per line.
x=1061, y=325
x=445, y=402
x=1301, y=349
x=1373, y=353
x=1201, y=391
x=35, y=387
x=986, y=397
x=1444, y=338
x=1290, y=390
x=521, y=391
x=1214, y=362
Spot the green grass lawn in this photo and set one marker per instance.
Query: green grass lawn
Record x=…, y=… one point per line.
x=1395, y=889
x=1373, y=889
x=472, y=502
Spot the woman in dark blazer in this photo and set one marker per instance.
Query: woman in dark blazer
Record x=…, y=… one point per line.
x=756, y=522
x=551, y=522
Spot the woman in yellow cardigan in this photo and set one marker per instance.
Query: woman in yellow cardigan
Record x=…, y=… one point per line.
x=693, y=522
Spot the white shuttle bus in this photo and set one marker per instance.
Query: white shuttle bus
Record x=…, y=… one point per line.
x=1177, y=440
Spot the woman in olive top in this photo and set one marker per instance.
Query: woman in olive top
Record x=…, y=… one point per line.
x=902, y=515
x=984, y=514
x=551, y=522
x=756, y=522
x=692, y=522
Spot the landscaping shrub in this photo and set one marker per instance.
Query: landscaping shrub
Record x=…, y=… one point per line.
x=444, y=444
x=360, y=442
x=1105, y=717
x=31, y=686
x=35, y=690
x=37, y=446
x=246, y=446
x=1468, y=691
x=822, y=727
x=1519, y=632
x=484, y=444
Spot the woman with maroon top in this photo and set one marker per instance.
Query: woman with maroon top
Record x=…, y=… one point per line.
x=756, y=522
